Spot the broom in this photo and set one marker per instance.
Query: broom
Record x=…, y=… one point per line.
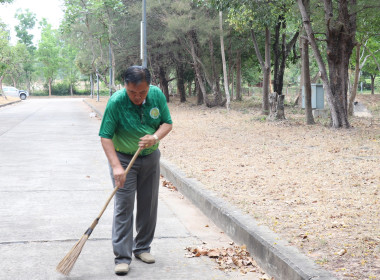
x=67, y=263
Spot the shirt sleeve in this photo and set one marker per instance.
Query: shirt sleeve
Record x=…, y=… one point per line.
x=109, y=121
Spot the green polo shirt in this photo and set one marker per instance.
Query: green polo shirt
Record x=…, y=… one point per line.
x=125, y=123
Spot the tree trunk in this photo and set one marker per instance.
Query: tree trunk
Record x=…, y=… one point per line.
x=356, y=81
x=373, y=77
x=198, y=92
x=277, y=53
x=230, y=70
x=277, y=106
x=232, y=83
x=113, y=67
x=189, y=85
x=307, y=82
x=197, y=68
x=215, y=76
x=1, y=87
x=164, y=83
x=226, y=90
x=180, y=81
x=265, y=67
x=266, y=80
x=71, y=90
x=50, y=80
x=91, y=86
x=14, y=82
x=238, y=76
x=340, y=42
x=280, y=57
x=306, y=74
x=298, y=100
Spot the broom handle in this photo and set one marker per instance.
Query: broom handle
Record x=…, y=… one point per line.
x=95, y=222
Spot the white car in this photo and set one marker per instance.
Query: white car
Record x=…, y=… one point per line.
x=12, y=91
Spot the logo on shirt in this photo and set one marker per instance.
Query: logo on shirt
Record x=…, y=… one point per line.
x=154, y=113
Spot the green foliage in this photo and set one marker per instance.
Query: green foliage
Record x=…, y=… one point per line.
x=5, y=49
x=48, y=53
x=27, y=21
x=59, y=89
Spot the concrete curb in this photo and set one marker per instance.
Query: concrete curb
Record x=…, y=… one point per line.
x=10, y=103
x=274, y=255
x=100, y=114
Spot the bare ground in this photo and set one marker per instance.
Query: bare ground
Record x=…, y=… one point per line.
x=7, y=100
x=317, y=187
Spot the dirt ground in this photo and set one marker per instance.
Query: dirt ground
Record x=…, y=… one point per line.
x=8, y=99
x=317, y=187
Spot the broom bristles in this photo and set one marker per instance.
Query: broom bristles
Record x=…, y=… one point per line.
x=67, y=263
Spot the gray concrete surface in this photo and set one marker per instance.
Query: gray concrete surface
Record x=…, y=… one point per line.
x=54, y=181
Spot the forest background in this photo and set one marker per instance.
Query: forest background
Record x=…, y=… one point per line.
x=218, y=51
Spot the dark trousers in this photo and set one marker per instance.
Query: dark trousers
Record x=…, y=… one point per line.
x=143, y=182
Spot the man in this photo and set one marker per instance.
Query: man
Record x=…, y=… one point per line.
x=135, y=116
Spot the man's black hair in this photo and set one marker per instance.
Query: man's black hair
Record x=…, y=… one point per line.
x=136, y=74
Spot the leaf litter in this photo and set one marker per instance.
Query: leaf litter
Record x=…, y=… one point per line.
x=233, y=258
x=318, y=188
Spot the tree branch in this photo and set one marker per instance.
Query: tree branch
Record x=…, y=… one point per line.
x=373, y=56
x=258, y=54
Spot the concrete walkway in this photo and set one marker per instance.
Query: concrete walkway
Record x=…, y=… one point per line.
x=54, y=181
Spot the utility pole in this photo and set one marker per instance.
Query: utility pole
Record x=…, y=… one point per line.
x=143, y=36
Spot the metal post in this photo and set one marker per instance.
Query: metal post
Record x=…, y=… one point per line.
x=97, y=81
x=110, y=55
x=143, y=36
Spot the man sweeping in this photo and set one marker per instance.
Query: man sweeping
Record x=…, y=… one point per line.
x=135, y=116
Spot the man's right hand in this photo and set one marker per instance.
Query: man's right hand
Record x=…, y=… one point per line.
x=119, y=176
x=118, y=170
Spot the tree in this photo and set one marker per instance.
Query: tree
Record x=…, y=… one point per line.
x=195, y=26
x=19, y=57
x=27, y=21
x=340, y=30
x=69, y=68
x=48, y=53
x=224, y=60
x=306, y=72
x=5, y=54
x=372, y=68
x=367, y=44
x=256, y=17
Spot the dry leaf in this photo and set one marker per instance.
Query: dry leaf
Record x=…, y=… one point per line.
x=342, y=252
x=213, y=253
x=265, y=277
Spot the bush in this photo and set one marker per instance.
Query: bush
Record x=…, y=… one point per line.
x=39, y=93
x=88, y=92
x=63, y=89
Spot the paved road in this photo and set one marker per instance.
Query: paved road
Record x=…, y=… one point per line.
x=54, y=181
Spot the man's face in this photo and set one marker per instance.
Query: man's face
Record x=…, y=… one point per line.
x=137, y=93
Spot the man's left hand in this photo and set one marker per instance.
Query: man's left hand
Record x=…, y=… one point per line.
x=147, y=141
